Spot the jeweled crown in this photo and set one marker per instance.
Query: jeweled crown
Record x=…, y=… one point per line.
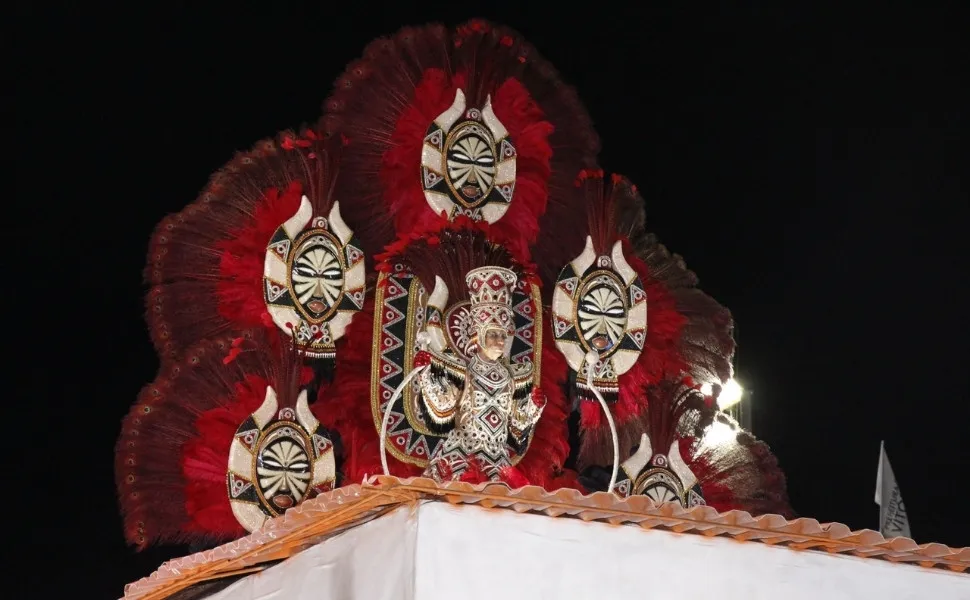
x=491, y=285
x=490, y=291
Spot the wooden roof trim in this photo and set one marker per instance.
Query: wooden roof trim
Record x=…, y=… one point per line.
x=349, y=506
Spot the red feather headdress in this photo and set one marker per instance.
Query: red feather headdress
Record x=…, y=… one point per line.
x=384, y=104
x=172, y=455
x=684, y=433
x=410, y=93
x=206, y=262
x=735, y=470
x=688, y=333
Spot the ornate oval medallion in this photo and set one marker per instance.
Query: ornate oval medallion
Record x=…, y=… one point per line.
x=599, y=310
x=660, y=485
x=314, y=278
x=660, y=477
x=283, y=467
x=317, y=275
x=277, y=459
x=468, y=163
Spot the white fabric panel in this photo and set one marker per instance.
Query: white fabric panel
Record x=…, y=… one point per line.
x=374, y=560
x=446, y=552
x=474, y=553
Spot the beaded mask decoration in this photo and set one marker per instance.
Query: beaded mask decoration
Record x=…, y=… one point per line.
x=313, y=278
x=660, y=477
x=468, y=163
x=278, y=458
x=599, y=310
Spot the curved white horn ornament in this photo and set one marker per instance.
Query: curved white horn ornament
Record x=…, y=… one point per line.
x=678, y=466
x=338, y=226
x=303, y=415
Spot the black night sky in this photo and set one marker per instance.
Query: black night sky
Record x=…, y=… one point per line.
x=805, y=164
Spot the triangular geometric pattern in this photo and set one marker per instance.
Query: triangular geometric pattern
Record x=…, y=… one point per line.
x=569, y=285
x=436, y=139
x=431, y=178
x=281, y=249
x=248, y=438
x=238, y=485
x=395, y=308
x=274, y=290
x=637, y=294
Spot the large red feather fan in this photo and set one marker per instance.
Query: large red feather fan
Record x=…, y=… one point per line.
x=385, y=102
x=735, y=471
x=173, y=452
x=206, y=262
x=688, y=333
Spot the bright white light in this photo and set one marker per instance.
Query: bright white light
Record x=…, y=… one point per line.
x=719, y=433
x=730, y=395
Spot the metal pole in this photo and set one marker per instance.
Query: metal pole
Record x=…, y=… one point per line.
x=744, y=417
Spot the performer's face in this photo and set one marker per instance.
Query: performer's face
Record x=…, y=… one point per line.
x=492, y=342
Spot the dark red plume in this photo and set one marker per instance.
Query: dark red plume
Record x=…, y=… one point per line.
x=734, y=469
x=450, y=253
x=172, y=455
x=206, y=262
x=688, y=333
x=384, y=103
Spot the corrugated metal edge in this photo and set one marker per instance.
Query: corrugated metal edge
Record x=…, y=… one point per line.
x=356, y=504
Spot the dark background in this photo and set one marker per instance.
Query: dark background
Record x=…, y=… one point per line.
x=810, y=167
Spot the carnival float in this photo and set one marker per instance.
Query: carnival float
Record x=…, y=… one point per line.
x=427, y=346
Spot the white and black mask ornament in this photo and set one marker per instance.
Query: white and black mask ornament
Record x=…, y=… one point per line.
x=599, y=311
x=313, y=278
x=468, y=163
x=278, y=459
x=660, y=477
